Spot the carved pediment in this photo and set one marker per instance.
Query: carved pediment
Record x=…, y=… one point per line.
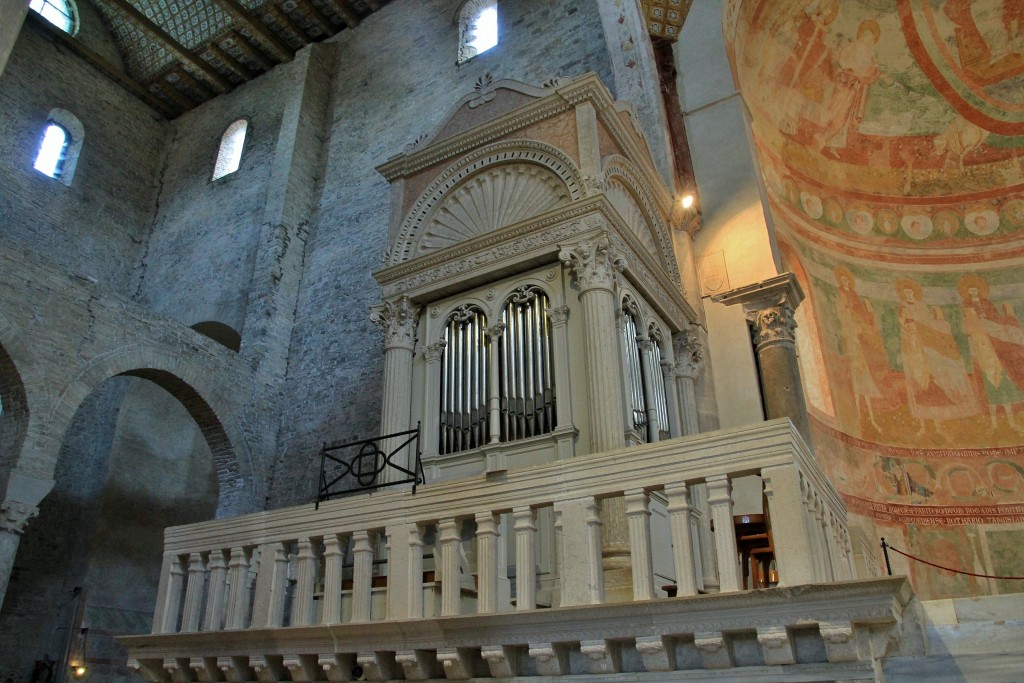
x=493, y=198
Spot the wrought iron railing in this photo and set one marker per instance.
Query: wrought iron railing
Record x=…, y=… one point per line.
x=358, y=465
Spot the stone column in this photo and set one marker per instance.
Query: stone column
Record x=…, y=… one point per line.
x=431, y=422
x=652, y=374
x=487, y=538
x=494, y=333
x=595, y=267
x=398, y=319
x=689, y=357
x=14, y=517
x=559, y=319
x=668, y=376
x=769, y=306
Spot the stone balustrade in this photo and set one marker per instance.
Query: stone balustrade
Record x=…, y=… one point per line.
x=360, y=562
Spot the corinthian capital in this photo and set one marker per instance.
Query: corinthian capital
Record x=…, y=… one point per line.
x=14, y=516
x=773, y=324
x=595, y=264
x=689, y=354
x=398, y=320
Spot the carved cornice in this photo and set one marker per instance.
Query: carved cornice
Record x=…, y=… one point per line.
x=476, y=254
x=398, y=318
x=594, y=262
x=14, y=516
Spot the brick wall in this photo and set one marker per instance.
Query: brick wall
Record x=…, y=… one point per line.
x=96, y=226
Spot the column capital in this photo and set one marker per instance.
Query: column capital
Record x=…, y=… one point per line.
x=594, y=262
x=769, y=306
x=774, y=324
x=14, y=516
x=398, y=318
x=689, y=354
x=432, y=352
x=495, y=331
x=558, y=316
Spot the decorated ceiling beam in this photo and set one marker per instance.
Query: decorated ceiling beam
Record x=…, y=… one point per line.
x=341, y=7
x=279, y=50
x=216, y=52
x=250, y=52
x=173, y=95
x=282, y=18
x=317, y=17
x=665, y=17
x=207, y=72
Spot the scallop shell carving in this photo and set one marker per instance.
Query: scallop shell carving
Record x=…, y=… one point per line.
x=627, y=207
x=492, y=199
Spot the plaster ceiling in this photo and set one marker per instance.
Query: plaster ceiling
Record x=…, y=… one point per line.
x=184, y=52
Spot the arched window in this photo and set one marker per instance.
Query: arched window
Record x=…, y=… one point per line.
x=465, y=385
x=229, y=156
x=526, y=383
x=59, y=145
x=60, y=13
x=52, y=150
x=478, y=28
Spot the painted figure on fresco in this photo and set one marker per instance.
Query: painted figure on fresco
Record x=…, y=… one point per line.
x=856, y=70
x=862, y=345
x=997, y=347
x=938, y=387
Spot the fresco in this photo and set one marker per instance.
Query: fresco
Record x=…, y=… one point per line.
x=891, y=138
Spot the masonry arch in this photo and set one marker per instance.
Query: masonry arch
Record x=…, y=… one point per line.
x=20, y=400
x=198, y=389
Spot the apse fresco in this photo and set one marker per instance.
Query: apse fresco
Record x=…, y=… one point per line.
x=891, y=139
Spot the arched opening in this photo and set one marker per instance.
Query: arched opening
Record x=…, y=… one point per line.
x=13, y=411
x=225, y=335
x=143, y=451
x=478, y=28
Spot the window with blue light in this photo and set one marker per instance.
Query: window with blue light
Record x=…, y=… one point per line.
x=478, y=28
x=53, y=150
x=60, y=13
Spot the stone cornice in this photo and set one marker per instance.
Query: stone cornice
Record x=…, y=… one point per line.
x=868, y=604
x=531, y=243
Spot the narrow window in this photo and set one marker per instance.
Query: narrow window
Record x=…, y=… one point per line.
x=526, y=383
x=229, y=156
x=60, y=13
x=59, y=146
x=52, y=151
x=478, y=28
x=464, y=381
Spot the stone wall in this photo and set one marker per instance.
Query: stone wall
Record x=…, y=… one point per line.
x=95, y=226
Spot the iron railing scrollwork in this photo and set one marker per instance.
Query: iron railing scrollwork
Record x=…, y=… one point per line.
x=358, y=465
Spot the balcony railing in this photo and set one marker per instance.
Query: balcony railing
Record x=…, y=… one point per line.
x=367, y=558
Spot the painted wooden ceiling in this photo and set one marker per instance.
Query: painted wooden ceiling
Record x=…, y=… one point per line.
x=184, y=52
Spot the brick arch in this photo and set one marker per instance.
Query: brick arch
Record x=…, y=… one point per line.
x=205, y=392
x=20, y=388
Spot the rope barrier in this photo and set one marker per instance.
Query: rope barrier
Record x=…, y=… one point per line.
x=886, y=547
